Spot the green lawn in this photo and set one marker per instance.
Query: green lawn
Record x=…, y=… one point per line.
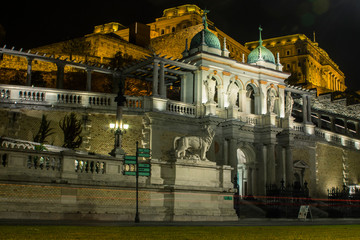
x=256, y=232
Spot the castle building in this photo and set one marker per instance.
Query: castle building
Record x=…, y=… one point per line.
x=239, y=130
x=311, y=66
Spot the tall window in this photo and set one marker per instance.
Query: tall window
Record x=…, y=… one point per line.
x=250, y=97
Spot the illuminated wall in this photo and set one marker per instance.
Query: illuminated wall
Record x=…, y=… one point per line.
x=310, y=65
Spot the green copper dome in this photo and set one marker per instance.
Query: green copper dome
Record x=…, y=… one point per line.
x=210, y=39
x=266, y=55
x=261, y=53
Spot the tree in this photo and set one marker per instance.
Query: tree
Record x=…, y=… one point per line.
x=44, y=131
x=72, y=129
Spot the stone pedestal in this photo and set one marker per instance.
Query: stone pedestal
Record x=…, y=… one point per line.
x=233, y=112
x=159, y=104
x=210, y=109
x=270, y=119
x=288, y=122
x=309, y=128
x=198, y=191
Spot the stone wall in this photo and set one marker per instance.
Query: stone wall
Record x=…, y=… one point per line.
x=173, y=44
x=335, y=166
x=97, y=136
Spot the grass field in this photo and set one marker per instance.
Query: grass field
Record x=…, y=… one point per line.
x=256, y=232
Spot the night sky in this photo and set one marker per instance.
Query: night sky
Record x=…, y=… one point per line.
x=336, y=22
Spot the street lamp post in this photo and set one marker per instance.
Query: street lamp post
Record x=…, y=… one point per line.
x=120, y=99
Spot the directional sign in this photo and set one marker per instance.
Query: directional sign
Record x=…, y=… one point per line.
x=130, y=173
x=130, y=161
x=144, y=165
x=130, y=157
x=144, y=150
x=147, y=174
x=145, y=155
x=144, y=169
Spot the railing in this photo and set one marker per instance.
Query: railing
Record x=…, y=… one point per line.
x=43, y=161
x=298, y=127
x=181, y=108
x=337, y=138
x=86, y=166
x=4, y=94
x=135, y=103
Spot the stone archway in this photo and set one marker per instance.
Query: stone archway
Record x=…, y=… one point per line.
x=246, y=171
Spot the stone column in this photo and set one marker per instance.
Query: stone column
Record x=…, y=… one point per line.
x=28, y=72
x=88, y=79
x=254, y=179
x=155, y=78
x=319, y=120
x=271, y=164
x=332, y=124
x=356, y=127
x=304, y=109
x=308, y=104
x=280, y=164
x=262, y=160
x=60, y=75
x=226, y=152
x=289, y=166
x=233, y=156
x=162, y=87
x=249, y=180
x=345, y=126
x=242, y=100
x=282, y=102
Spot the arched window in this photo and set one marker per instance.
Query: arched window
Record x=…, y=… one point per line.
x=173, y=29
x=250, y=99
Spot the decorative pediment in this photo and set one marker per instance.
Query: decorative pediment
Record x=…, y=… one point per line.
x=300, y=164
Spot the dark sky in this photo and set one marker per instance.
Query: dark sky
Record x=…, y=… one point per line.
x=336, y=22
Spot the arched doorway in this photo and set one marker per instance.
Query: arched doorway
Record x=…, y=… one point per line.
x=242, y=173
x=245, y=172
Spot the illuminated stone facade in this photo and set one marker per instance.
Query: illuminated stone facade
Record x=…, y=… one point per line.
x=310, y=65
x=264, y=132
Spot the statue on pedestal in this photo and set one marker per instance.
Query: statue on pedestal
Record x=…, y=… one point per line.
x=210, y=85
x=194, y=147
x=289, y=104
x=232, y=93
x=271, y=101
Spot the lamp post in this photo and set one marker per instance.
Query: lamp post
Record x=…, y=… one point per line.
x=120, y=99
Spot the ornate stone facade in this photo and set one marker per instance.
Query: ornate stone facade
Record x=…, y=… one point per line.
x=260, y=131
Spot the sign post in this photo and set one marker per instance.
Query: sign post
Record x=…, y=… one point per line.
x=137, y=217
x=132, y=167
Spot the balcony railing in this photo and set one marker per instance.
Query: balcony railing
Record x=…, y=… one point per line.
x=14, y=94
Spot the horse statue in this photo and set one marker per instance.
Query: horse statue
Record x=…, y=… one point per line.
x=193, y=146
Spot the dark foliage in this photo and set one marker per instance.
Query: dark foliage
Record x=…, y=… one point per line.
x=44, y=131
x=72, y=129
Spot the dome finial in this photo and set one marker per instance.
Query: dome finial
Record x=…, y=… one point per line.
x=204, y=18
x=260, y=39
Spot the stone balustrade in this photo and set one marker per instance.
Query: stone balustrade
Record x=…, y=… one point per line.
x=14, y=94
x=181, y=108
